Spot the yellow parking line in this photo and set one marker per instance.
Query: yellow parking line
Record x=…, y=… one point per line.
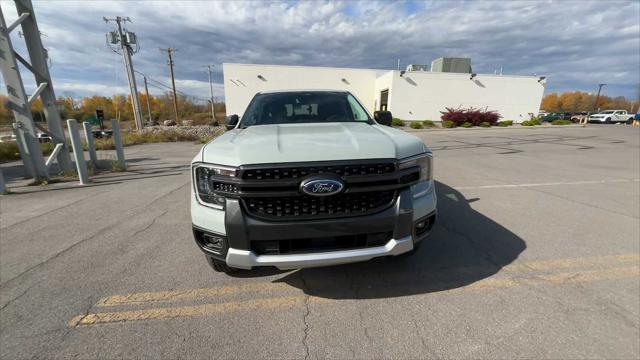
x=554, y=264
x=556, y=279
x=291, y=301
x=185, y=311
x=190, y=293
x=200, y=293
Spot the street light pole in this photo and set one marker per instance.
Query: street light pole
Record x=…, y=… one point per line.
x=595, y=104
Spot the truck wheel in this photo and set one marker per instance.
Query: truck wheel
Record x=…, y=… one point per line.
x=220, y=266
x=607, y=121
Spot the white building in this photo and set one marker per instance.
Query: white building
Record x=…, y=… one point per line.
x=409, y=95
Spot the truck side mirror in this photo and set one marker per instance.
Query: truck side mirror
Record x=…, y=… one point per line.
x=383, y=117
x=231, y=121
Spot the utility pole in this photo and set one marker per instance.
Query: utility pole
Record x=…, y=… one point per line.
x=126, y=39
x=213, y=111
x=170, y=52
x=595, y=104
x=146, y=90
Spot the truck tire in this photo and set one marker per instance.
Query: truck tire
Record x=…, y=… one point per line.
x=607, y=121
x=220, y=266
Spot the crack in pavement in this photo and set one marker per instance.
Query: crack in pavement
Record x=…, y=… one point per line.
x=97, y=233
x=91, y=196
x=305, y=317
x=21, y=295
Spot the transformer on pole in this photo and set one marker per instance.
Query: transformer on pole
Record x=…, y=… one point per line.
x=18, y=102
x=127, y=41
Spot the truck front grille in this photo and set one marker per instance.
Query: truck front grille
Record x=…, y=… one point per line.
x=296, y=172
x=300, y=207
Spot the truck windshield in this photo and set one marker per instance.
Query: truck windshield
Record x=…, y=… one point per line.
x=303, y=107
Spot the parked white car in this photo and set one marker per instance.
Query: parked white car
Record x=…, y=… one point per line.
x=611, y=116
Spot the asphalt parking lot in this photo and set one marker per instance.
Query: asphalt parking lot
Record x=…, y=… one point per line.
x=536, y=254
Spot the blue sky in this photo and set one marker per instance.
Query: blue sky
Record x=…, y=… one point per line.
x=576, y=44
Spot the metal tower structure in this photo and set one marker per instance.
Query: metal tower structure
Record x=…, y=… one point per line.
x=18, y=102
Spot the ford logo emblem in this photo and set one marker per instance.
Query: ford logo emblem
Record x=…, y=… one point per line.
x=321, y=186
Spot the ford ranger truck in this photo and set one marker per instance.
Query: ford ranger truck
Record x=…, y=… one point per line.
x=309, y=178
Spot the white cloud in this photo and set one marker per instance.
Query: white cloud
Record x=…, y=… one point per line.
x=577, y=44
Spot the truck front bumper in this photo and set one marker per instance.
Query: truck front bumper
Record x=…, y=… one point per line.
x=246, y=259
x=400, y=221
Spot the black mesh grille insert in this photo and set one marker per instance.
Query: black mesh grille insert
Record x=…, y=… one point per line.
x=321, y=244
x=300, y=207
x=302, y=171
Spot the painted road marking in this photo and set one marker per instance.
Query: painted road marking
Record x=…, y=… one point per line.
x=293, y=301
x=556, y=279
x=189, y=294
x=501, y=186
x=186, y=311
x=556, y=264
x=201, y=293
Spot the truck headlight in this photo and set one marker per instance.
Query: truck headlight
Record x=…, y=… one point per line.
x=424, y=161
x=203, y=181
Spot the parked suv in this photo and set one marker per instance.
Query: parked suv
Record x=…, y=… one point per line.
x=309, y=178
x=610, y=116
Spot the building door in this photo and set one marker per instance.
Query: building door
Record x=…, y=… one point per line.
x=384, y=99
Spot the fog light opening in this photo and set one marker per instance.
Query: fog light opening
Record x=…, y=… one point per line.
x=424, y=225
x=214, y=243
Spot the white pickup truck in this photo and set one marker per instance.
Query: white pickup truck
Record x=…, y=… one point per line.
x=310, y=178
x=611, y=116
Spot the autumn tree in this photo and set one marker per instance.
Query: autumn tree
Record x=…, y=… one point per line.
x=578, y=101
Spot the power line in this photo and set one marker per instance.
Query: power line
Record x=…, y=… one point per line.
x=159, y=83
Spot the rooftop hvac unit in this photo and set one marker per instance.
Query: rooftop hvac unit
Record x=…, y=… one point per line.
x=417, y=67
x=452, y=65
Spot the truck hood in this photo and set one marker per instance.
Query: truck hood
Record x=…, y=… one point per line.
x=264, y=144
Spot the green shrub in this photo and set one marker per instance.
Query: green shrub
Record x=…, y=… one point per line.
x=535, y=121
x=505, y=123
x=202, y=119
x=526, y=123
x=397, y=122
x=416, y=125
x=428, y=123
x=9, y=150
x=561, y=122
x=485, y=124
x=466, y=124
x=448, y=124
